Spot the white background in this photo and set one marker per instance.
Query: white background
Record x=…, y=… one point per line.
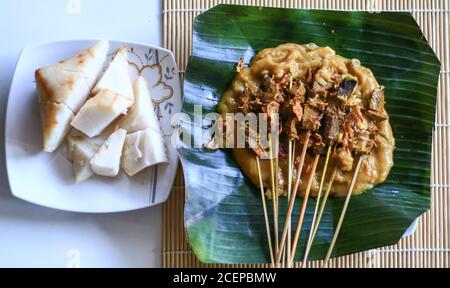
x=33, y=236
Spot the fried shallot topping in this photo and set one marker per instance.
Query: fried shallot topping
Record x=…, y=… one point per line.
x=240, y=65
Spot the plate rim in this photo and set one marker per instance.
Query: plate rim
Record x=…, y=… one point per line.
x=7, y=127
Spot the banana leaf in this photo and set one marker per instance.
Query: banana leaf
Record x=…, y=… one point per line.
x=223, y=210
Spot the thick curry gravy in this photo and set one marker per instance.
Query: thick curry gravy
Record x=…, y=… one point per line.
x=297, y=60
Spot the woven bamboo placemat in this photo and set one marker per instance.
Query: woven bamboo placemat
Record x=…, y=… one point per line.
x=429, y=246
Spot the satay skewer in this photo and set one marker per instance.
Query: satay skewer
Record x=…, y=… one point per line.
x=319, y=195
x=289, y=240
x=277, y=185
x=291, y=154
x=301, y=216
x=293, y=194
x=266, y=217
x=274, y=198
x=344, y=210
x=319, y=215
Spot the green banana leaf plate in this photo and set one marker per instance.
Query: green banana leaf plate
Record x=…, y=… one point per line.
x=223, y=210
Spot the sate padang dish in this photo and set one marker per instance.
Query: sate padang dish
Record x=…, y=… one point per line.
x=339, y=101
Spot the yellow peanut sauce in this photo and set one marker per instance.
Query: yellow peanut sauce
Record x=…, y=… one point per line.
x=296, y=60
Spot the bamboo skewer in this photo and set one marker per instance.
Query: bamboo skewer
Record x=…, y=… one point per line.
x=290, y=162
x=319, y=215
x=301, y=216
x=322, y=180
x=283, y=262
x=274, y=204
x=266, y=217
x=277, y=185
x=344, y=210
x=289, y=240
x=287, y=223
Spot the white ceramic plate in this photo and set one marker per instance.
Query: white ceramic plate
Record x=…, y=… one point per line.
x=47, y=179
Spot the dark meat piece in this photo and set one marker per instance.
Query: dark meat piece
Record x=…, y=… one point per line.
x=286, y=110
x=333, y=100
x=377, y=100
x=292, y=108
x=317, y=103
x=269, y=89
x=317, y=146
x=376, y=116
x=311, y=118
x=266, y=82
x=297, y=109
x=249, y=102
x=331, y=125
x=302, y=138
x=290, y=126
x=265, y=97
x=346, y=87
x=273, y=90
x=266, y=92
x=296, y=91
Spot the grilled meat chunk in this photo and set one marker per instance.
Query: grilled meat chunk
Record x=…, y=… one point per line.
x=331, y=125
x=311, y=118
x=296, y=90
x=347, y=87
x=318, y=103
x=317, y=145
x=377, y=100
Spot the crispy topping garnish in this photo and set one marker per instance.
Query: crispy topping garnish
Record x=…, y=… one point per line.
x=240, y=65
x=325, y=102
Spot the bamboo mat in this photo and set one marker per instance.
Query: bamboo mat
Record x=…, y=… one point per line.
x=429, y=246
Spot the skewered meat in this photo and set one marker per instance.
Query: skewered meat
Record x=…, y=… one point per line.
x=311, y=118
x=346, y=87
x=377, y=100
x=296, y=91
x=335, y=100
x=331, y=125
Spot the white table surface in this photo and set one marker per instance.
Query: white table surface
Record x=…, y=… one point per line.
x=33, y=236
